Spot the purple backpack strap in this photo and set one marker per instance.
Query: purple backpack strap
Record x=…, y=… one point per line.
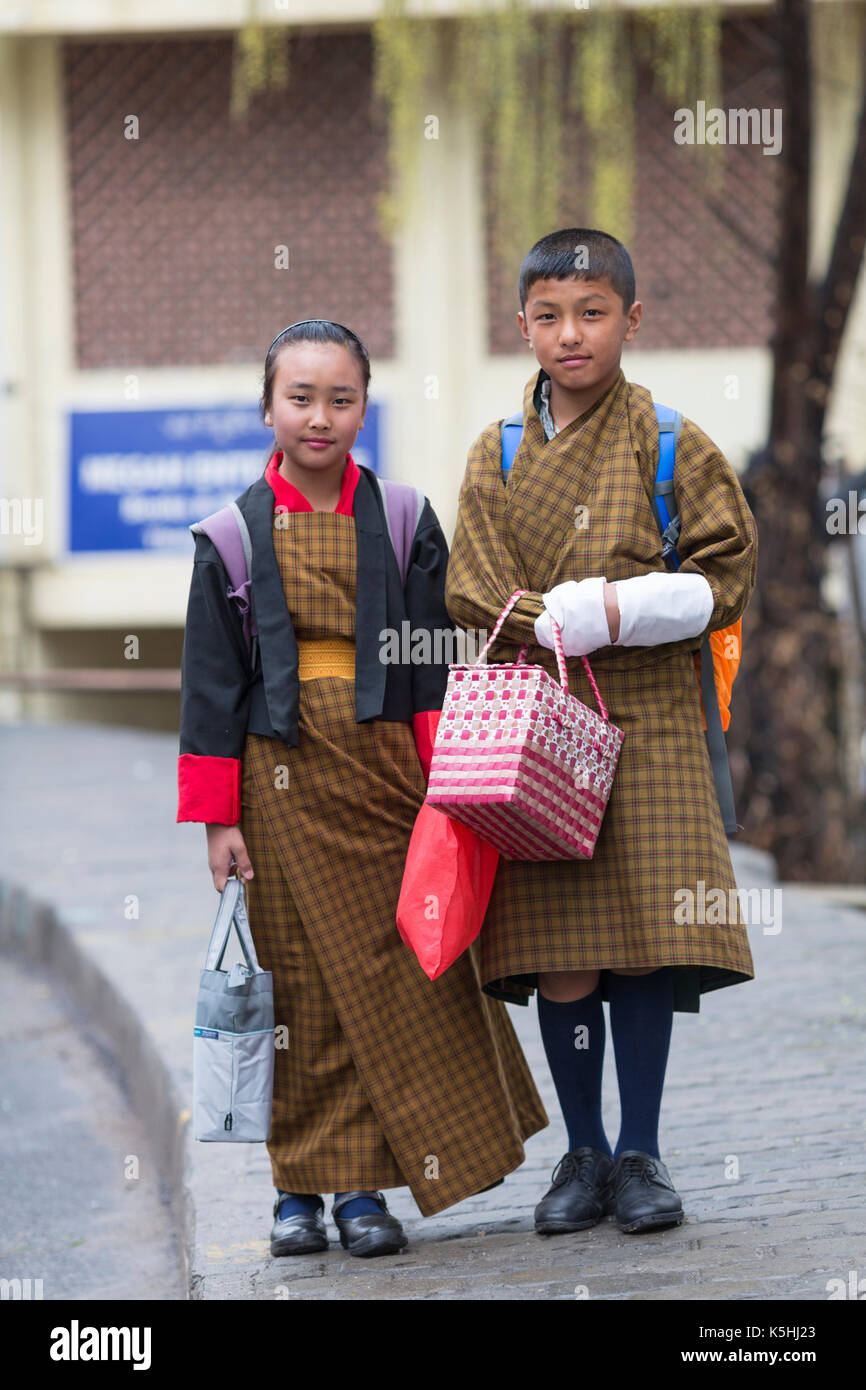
x=228, y=531
x=403, y=507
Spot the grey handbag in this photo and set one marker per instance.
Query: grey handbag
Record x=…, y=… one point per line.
x=233, y=1038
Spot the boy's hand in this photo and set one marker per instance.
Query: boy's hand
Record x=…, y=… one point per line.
x=581, y=608
x=226, y=850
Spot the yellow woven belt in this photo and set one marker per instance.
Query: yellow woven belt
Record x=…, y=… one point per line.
x=326, y=657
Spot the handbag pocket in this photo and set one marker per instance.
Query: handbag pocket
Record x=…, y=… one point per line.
x=212, y=1083
x=233, y=1077
x=253, y=1086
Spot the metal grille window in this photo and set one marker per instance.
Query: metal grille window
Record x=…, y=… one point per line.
x=174, y=233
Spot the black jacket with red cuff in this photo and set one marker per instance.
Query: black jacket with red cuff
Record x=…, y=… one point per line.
x=224, y=697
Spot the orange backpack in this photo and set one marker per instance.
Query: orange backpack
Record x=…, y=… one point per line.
x=725, y=647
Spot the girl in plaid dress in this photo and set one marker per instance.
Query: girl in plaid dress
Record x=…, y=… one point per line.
x=308, y=764
x=574, y=526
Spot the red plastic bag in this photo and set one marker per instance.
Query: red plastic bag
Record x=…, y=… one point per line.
x=446, y=887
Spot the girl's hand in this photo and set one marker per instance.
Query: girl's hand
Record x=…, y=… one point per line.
x=226, y=850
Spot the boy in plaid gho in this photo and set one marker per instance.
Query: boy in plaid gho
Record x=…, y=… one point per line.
x=573, y=524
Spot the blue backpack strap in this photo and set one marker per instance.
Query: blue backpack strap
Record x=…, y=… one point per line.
x=511, y=432
x=664, y=500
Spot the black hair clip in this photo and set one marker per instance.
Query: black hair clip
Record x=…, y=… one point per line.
x=341, y=326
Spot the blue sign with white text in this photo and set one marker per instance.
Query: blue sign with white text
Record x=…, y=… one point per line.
x=139, y=478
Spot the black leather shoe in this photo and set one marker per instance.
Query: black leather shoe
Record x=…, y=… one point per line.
x=373, y=1234
x=301, y=1234
x=640, y=1193
x=576, y=1199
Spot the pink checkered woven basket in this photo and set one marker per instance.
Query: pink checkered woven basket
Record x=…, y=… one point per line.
x=520, y=760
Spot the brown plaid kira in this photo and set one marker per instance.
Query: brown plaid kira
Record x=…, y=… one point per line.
x=388, y=1078
x=576, y=507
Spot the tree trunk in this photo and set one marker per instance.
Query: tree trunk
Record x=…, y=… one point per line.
x=785, y=744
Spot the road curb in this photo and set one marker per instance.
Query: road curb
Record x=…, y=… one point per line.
x=33, y=932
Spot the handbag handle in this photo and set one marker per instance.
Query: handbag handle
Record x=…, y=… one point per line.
x=557, y=646
x=232, y=908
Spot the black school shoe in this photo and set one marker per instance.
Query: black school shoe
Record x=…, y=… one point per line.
x=372, y=1234
x=576, y=1198
x=301, y=1234
x=640, y=1193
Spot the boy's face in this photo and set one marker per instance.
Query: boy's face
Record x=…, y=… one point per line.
x=576, y=329
x=318, y=405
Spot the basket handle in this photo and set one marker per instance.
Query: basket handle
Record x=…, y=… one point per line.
x=557, y=646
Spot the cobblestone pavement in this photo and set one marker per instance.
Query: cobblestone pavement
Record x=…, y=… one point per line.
x=763, y=1121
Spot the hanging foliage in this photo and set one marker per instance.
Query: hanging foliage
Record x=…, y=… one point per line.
x=602, y=95
x=539, y=82
x=406, y=60
x=260, y=63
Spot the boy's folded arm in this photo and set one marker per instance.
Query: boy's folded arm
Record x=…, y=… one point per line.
x=482, y=573
x=481, y=579
x=644, y=611
x=718, y=535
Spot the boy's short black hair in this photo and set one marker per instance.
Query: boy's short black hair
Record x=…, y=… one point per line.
x=579, y=253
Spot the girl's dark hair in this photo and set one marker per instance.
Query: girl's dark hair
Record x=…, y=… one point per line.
x=312, y=331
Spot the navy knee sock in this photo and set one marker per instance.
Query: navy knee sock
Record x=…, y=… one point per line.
x=576, y=1064
x=641, y=1018
x=359, y=1206
x=294, y=1203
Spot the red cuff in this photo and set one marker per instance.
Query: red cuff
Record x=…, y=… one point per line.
x=424, y=726
x=209, y=789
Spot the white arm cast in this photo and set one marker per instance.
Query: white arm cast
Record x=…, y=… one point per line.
x=654, y=608
x=657, y=607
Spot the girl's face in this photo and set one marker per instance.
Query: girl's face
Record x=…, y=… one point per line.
x=317, y=404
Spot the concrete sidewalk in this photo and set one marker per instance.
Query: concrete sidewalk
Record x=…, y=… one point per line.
x=763, y=1122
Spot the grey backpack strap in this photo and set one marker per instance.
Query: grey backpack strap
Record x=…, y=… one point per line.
x=403, y=505
x=246, y=542
x=228, y=530
x=716, y=740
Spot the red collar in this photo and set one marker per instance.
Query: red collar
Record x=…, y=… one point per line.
x=286, y=495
